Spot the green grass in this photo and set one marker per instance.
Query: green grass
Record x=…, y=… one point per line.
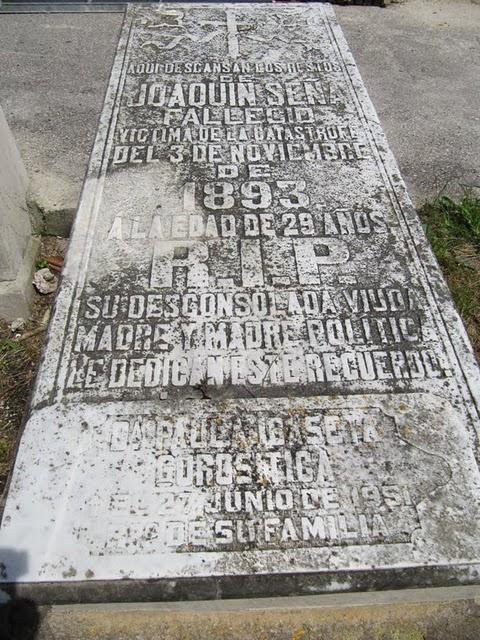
x=4, y=450
x=450, y=223
x=42, y=263
x=8, y=345
x=453, y=229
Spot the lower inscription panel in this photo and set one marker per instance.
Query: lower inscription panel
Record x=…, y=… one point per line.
x=240, y=487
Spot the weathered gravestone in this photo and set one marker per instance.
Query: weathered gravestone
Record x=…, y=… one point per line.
x=255, y=381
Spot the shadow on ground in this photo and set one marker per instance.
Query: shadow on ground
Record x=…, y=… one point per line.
x=19, y=617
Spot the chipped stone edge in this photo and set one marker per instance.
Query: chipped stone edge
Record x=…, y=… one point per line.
x=229, y=587
x=325, y=601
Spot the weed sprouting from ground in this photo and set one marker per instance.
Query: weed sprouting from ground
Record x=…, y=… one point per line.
x=450, y=223
x=453, y=229
x=8, y=346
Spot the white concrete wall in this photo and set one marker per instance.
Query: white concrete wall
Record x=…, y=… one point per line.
x=14, y=222
x=17, y=248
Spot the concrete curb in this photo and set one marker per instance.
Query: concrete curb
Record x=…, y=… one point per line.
x=414, y=614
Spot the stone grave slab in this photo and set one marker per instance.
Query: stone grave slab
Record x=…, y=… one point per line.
x=255, y=381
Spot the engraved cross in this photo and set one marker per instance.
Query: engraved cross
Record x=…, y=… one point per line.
x=233, y=32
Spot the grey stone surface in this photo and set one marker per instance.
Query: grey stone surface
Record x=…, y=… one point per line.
x=419, y=60
x=17, y=248
x=255, y=380
x=53, y=74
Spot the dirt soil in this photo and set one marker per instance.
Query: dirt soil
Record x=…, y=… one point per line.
x=20, y=353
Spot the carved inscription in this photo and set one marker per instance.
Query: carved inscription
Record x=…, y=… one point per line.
x=254, y=480
x=262, y=240
x=254, y=366
x=269, y=261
